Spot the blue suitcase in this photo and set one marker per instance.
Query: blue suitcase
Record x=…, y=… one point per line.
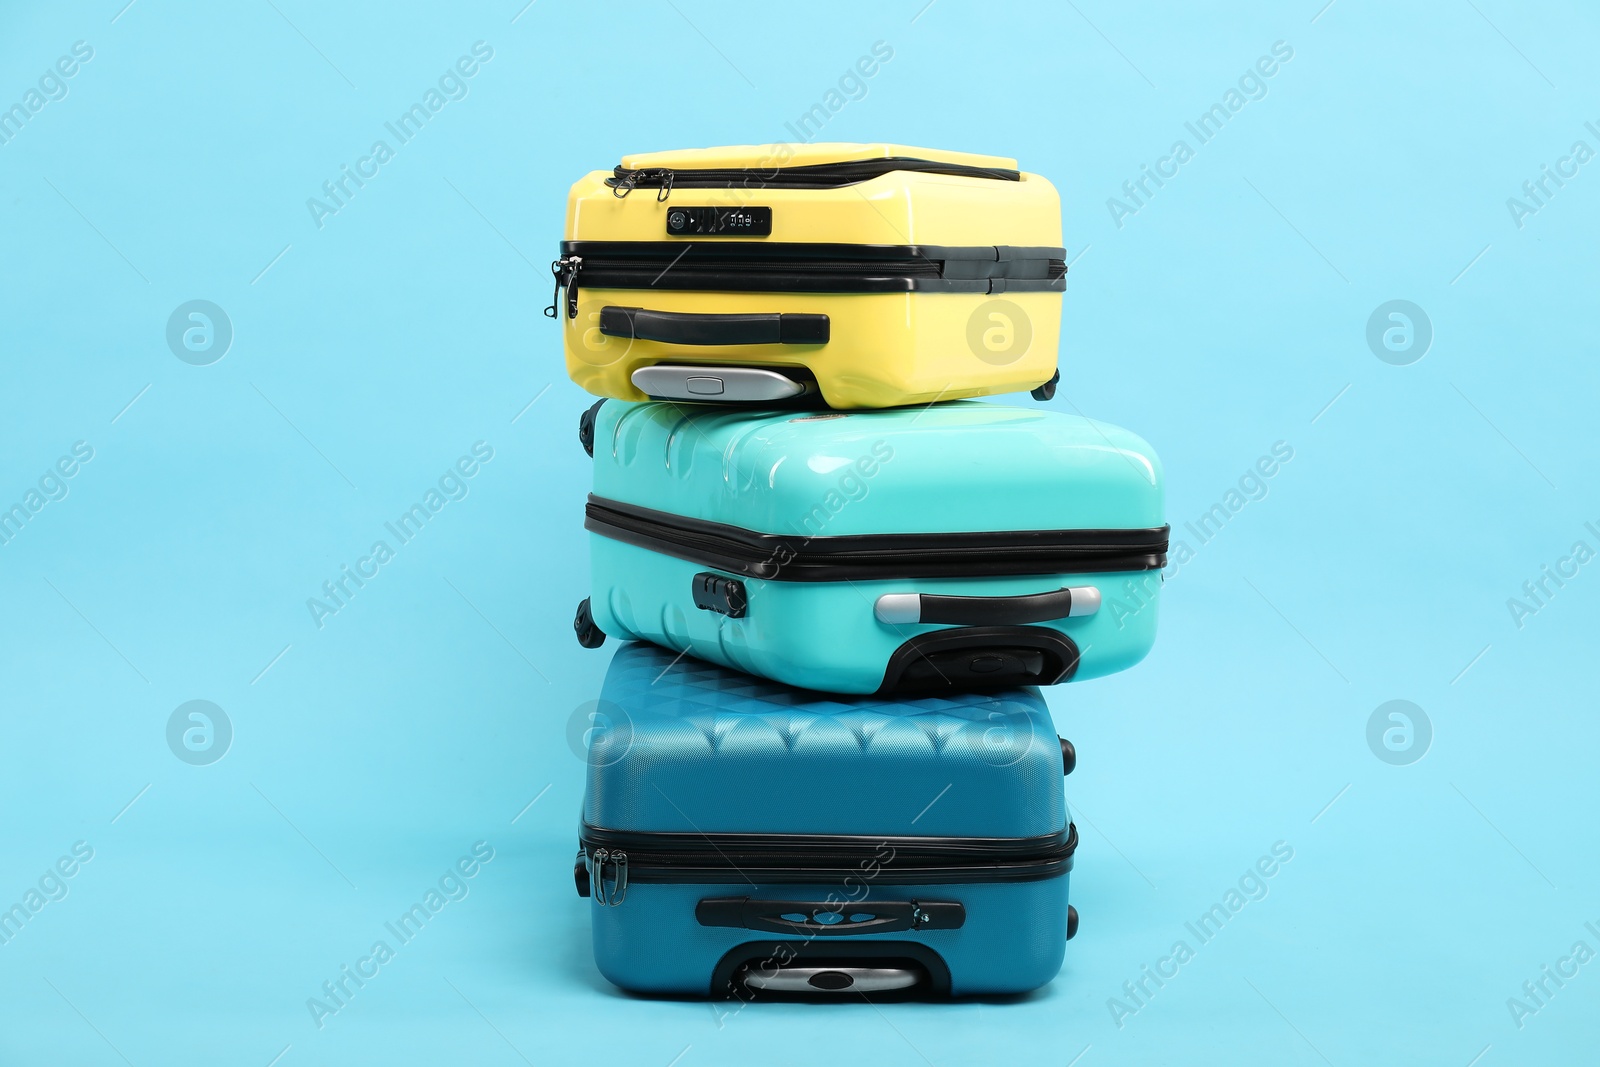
x=965, y=545
x=741, y=836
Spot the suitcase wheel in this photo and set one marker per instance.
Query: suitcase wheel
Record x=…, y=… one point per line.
x=589, y=635
x=586, y=428
x=1069, y=756
x=1072, y=921
x=1047, y=391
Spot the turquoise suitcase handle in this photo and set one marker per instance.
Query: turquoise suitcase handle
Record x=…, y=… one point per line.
x=902, y=608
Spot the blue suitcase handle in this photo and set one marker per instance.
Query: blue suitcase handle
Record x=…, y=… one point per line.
x=830, y=918
x=681, y=328
x=901, y=608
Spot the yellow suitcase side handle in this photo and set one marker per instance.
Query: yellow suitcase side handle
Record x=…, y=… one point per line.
x=679, y=328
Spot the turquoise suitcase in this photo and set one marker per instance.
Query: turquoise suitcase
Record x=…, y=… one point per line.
x=747, y=839
x=965, y=545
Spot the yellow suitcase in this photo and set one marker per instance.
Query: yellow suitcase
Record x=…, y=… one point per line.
x=874, y=275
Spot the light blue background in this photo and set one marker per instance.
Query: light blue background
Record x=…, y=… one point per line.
x=1223, y=317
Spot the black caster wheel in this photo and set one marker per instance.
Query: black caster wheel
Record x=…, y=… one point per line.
x=1047, y=391
x=1069, y=756
x=586, y=428
x=589, y=635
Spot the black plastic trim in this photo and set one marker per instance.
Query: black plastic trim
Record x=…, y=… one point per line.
x=933, y=662
x=746, y=266
x=888, y=916
x=589, y=635
x=586, y=427
x=876, y=556
x=811, y=953
x=725, y=596
x=744, y=220
x=812, y=859
x=996, y=610
x=809, y=176
x=1007, y=260
x=683, y=328
x=848, y=846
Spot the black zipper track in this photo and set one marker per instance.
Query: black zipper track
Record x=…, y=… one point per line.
x=920, y=256
x=877, y=556
x=773, y=276
x=815, y=267
x=810, y=176
x=753, y=859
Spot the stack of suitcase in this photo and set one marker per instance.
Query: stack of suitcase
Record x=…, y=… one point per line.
x=828, y=768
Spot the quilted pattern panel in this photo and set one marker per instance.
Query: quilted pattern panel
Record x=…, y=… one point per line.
x=688, y=746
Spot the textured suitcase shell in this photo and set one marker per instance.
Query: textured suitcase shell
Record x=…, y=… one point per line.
x=687, y=748
x=961, y=467
x=885, y=348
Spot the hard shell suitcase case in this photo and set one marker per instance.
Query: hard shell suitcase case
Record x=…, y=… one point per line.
x=965, y=545
x=740, y=835
x=875, y=275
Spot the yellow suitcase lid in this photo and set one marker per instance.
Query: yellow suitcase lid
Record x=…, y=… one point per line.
x=744, y=156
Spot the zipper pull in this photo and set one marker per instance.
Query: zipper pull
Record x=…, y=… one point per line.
x=627, y=179
x=619, y=860
x=574, y=263
x=597, y=876
x=565, y=270
x=625, y=182
x=557, y=268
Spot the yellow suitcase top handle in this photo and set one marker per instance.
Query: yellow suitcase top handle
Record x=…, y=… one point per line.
x=745, y=156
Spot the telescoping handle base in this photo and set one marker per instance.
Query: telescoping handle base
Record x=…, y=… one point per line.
x=719, y=383
x=830, y=918
x=842, y=978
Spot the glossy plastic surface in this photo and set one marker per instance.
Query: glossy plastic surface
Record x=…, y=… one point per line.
x=960, y=467
x=885, y=348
